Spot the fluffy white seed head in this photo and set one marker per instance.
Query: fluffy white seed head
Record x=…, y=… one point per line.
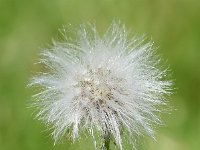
x=106, y=86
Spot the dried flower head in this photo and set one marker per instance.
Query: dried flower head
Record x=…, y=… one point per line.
x=106, y=86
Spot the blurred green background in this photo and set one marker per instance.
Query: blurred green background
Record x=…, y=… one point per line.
x=28, y=25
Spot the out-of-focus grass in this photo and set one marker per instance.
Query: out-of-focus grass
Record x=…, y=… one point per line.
x=25, y=26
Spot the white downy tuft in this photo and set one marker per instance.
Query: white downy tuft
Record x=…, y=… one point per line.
x=105, y=86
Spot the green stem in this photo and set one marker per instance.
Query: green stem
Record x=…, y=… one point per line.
x=106, y=144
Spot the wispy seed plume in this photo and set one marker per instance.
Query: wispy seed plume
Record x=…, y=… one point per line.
x=106, y=87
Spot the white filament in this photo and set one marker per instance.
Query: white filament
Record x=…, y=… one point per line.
x=103, y=86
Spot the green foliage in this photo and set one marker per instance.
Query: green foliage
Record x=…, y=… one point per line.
x=25, y=26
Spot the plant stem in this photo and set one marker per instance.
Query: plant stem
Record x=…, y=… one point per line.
x=106, y=144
